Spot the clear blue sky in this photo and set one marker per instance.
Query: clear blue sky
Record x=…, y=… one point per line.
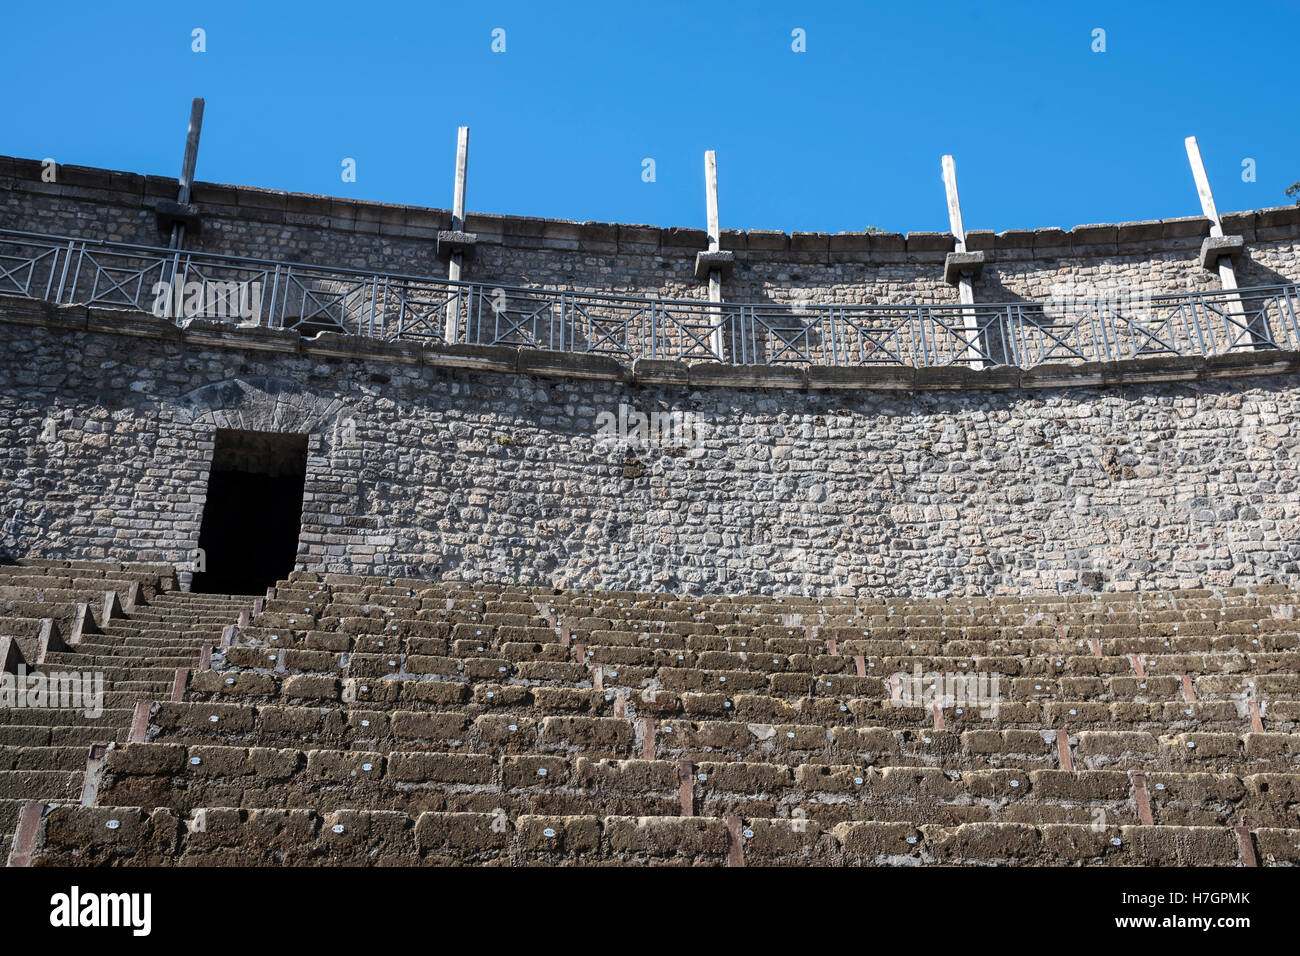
x=846, y=135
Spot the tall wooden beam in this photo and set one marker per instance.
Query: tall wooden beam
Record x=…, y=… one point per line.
x=462, y=174
x=715, y=239
x=187, y=167
x=1227, y=273
x=965, y=284
x=456, y=259
x=954, y=203
x=711, y=197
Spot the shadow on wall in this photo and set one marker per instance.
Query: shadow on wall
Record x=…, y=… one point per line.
x=251, y=520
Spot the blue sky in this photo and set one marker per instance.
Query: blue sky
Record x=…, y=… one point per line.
x=846, y=135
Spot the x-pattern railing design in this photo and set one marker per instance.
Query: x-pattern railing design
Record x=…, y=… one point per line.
x=19, y=276
x=389, y=305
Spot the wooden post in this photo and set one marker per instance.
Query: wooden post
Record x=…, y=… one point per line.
x=450, y=318
x=1203, y=185
x=716, y=337
x=187, y=166
x=1227, y=274
x=965, y=287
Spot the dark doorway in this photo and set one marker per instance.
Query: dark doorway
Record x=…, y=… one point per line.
x=249, y=536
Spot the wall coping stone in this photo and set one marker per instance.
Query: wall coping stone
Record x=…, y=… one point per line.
x=222, y=201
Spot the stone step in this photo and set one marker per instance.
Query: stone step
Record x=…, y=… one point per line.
x=117, y=662
x=41, y=784
x=44, y=735
x=114, y=672
x=96, y=836
x=68, y=758
x=110, y=719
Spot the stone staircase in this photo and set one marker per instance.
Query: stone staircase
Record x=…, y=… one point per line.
x=366, y=720
x=45, y=751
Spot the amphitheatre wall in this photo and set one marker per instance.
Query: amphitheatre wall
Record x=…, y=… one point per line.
x=495, y=463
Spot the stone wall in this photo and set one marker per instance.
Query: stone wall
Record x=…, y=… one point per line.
x=500, y=464
x=851, y=267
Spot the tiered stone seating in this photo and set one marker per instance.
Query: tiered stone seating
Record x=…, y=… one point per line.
x=34, y=589
x=135, y=637
x=365, y=720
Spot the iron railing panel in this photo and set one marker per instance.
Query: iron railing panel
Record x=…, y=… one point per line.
x=312, y=298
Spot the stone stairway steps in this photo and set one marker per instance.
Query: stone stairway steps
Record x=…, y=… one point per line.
x=45, y=750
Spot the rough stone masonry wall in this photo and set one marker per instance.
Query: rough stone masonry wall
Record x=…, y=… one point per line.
x=810, y=267
x=420, y=465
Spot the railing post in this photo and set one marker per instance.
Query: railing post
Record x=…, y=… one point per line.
x=275, y=294
x=1197, y=304
x=1287, y=311
x=917, y=323
x=564, y=316
x=654, y=329
x=374, y=302
x=63, y=277
x=288, y=286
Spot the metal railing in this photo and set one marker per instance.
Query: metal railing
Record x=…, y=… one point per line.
x=181, y=284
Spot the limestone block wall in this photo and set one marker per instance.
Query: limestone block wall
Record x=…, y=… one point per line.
x=505, y=465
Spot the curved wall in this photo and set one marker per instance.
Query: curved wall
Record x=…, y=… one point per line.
x=513, y=465
x=499, y=464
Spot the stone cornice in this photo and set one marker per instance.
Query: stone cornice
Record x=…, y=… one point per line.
x=422, y=224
